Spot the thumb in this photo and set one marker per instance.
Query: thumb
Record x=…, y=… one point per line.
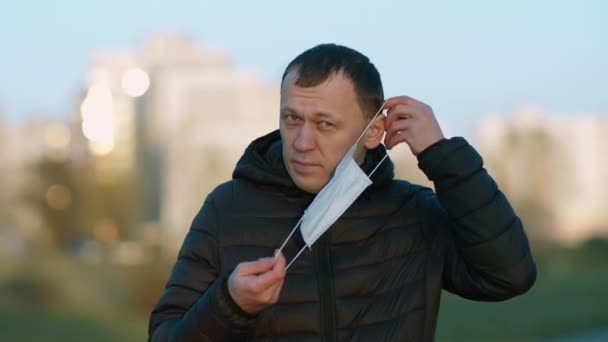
x=279, y=263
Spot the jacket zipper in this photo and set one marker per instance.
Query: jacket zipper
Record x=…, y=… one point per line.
x=326, y=289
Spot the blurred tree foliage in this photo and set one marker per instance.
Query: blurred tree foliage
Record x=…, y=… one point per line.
x=77, y=204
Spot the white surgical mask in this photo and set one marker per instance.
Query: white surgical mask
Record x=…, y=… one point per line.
x=344, y=187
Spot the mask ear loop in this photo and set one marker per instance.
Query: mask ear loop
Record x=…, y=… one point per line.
x=285, y=242
x=382, y=111
x=289, y=236
x=378, y=165
x=295, y=257
x=385, y=113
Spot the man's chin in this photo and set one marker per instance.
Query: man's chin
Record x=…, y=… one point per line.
x=311, y=186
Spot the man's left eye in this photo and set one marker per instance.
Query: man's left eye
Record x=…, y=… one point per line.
x=325, y=124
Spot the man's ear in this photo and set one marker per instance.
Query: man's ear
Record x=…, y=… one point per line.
x=375, y=133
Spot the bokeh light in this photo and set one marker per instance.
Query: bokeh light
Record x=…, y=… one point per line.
x=98, y=118
x=135, y=82
x=58, y=196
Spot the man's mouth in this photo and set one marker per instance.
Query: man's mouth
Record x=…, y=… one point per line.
x=303, y=166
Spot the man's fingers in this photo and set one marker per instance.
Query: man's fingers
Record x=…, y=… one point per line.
x=412, y=122
x=398, y=131
x=393, y=101
x=271, y=276
x=392, y=117
x=265, y=280
x=400, y=114
x=279, y=261
x=400, y=126
x=255, y=267
x=395, y=139
x=406, y=111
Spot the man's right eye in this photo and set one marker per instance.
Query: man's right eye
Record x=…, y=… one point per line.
x=291, y=118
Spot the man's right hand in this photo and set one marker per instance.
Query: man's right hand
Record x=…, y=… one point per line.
x=254, y=285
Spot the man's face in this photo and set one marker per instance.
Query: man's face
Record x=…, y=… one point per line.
x=318, y=125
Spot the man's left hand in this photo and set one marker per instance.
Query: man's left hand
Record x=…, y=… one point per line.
x=410, y=121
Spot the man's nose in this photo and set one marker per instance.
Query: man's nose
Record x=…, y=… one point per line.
x=305, y=140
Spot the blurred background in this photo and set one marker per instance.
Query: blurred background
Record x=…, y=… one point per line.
x=117, y=118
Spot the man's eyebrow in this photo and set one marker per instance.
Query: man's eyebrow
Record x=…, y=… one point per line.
x=334, y=117
x=288, y=110
x=324, y=114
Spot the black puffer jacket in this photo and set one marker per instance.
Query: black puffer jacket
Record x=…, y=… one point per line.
x=376, y=275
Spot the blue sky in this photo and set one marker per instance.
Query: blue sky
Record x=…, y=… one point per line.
x=464, y=58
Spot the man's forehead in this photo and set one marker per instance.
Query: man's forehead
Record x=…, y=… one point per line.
x=318, y=113
x=332, y=92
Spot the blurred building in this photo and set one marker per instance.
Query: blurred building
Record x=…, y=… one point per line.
x=104, y=117
x=3, y=151
x=555, y=170
x=22, y=148
x=178, y=116
x=4, y=198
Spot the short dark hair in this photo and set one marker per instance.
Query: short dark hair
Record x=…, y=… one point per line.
x=317, y=64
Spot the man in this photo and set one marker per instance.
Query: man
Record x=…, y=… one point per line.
x=377, y=274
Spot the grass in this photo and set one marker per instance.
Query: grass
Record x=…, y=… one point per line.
x=25, y=326
x=556, y=306
x=570, y=296
x=103, y=304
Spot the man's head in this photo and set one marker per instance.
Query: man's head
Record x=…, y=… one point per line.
x=328, y=95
